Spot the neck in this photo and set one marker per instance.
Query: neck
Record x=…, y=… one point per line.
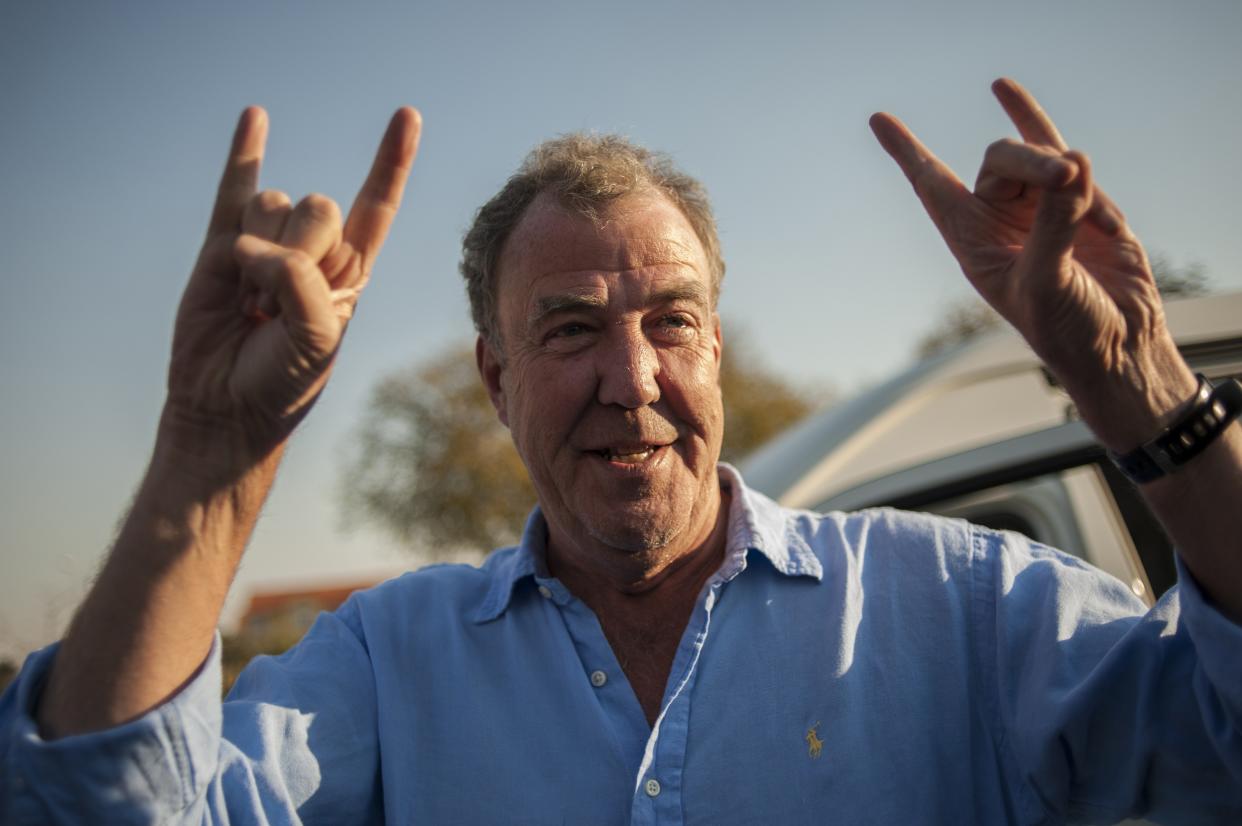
x=643, y=606
x=601, y=575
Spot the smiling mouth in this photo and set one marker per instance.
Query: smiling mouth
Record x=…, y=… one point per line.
x=628, y=455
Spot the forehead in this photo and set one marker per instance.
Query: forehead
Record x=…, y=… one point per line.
x=641, y=239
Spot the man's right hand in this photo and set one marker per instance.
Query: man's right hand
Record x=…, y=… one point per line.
x=263, y=314
x=259, y=325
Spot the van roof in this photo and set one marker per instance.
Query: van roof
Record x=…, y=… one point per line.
x=988, y=388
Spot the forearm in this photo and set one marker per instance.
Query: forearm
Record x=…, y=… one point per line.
x=149, y=619
x=258, y=326
x=1200, y=505
x=1201, y=508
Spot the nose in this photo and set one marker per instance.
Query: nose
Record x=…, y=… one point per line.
x=627, y=369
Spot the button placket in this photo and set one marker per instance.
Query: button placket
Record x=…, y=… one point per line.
x=672, y=728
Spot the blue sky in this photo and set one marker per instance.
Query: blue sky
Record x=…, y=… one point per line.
x=114, y=119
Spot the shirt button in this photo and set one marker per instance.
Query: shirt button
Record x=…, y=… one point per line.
x=545, y=592
x=653, y=787
x=598, y=678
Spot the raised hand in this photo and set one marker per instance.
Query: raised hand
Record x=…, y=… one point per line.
x=1053, y=255
x=258, y=327
x=273, y=288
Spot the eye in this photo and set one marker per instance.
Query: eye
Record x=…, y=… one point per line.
x=569, y=330
x=569, y=337
x=677, y=327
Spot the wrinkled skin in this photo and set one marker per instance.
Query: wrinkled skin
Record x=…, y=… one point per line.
x=609, y=381
x=1053, y=254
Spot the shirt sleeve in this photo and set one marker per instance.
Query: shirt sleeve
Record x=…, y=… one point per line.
x=1107, y=709
x=295, y=742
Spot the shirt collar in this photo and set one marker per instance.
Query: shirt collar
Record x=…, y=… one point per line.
x=759, y=524
x=756, y=523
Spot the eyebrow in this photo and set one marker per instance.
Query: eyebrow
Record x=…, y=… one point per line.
x=693, y=293
x=566, y=302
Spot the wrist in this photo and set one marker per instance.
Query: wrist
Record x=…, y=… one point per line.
x=1131, y=406
x=1205, y=417
x=206, y=482
x=211, y=452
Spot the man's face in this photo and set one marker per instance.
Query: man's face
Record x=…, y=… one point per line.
x=609, y=379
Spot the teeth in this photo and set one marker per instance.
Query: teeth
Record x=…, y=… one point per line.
x=629, y=458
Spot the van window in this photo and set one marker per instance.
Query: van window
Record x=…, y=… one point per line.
x=1089, y=510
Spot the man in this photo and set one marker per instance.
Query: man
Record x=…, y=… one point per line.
x=664, y=645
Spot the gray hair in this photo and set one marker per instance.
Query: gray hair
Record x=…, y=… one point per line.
x=585, y=172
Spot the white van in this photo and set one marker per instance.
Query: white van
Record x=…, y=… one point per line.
x=985, y=433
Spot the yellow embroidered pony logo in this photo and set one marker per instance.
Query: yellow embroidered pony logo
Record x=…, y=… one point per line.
x=814, y=746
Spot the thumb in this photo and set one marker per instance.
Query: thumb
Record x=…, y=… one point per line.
x=1057, y=217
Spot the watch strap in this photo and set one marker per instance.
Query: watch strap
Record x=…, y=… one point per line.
x=1211, y=411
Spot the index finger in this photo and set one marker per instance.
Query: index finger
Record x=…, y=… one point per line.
x=1032, y=121
x=240, y=179
x=933, y=181
x=377, y=202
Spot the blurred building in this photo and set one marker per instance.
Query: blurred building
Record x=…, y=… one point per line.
x=280, y=612
x=275, y=620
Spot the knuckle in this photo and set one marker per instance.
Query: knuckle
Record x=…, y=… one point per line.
x=1065, y=208
x=297, y=264
x=288, y=266
x=924, y=185
x=319, y=208
x=1003, y=146
x=270, y=200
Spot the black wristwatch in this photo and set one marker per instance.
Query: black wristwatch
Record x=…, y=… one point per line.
x=1210, y=412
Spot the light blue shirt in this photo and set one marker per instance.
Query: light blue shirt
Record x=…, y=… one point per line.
x=877, y=667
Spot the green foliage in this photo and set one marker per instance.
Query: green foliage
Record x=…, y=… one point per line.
x=431, y=464
x=758, y=402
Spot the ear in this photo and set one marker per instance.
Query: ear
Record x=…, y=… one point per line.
x=490, y=369
x=719, y=336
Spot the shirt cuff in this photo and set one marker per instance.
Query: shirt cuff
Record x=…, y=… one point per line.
x=147, y=770
x=1217, y=638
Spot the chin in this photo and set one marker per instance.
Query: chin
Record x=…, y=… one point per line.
x=642, y=533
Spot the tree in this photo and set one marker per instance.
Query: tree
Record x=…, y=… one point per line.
x=8, y=670
x=1174, y=282
x=961, y=322
x=758, y=402
x=969, y=317
x=431, y=465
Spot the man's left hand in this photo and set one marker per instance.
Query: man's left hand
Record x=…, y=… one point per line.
x=1053, y=255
